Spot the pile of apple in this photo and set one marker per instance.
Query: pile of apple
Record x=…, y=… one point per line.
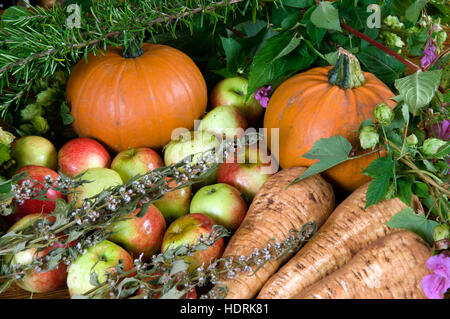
x=178, y=218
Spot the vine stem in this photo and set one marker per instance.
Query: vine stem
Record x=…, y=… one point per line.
x=377, y=44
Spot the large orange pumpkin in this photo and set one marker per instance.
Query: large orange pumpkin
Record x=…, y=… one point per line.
x=320, y=103
x=136, y=101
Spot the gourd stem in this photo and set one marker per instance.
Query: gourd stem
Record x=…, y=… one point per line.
x=134, y=49
x=347, y=73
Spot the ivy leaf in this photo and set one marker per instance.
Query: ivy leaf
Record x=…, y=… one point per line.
x=413, y=11
x=326, y=16
x=418, y=89
x=419, y=224
x=330, y=152
x=381, y=170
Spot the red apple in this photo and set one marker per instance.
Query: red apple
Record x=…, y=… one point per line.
x=225, y=122
x=140, y=234
x=81, y=153
x=33, y=150
x=36, y=206
x=34, y=281
x=246, y=171
x=136, y=161
x=187, y=229
x=100, y=259
x=233, y=91
x=191, y=294
x=175, y=203
x=222, y=202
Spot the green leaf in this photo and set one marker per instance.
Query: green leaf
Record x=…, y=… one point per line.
x=295, y=41
x=416, y=42
x=413, y=11
x=233, y=54
x=404, y=191
x=178, y=265
x=326, y=16
x=420, y=189
x=330, y=152
x=316, y=34
x=384, y=66
x=419, y=224
x=381, y=170
x=297, y=3
x=5, y=187
x=66, y=118
x=418, y=89
x=443, y=151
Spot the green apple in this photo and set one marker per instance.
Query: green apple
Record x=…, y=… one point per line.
x=187, y=229
x=232, y=92
x=175, y=203
x=224, y=121
x=99, y=178
x=222, y=202
x=140, y=235
x=33, y=150
x=189, y=143
x=99, y=260
x=136, y=161
x=192, y=143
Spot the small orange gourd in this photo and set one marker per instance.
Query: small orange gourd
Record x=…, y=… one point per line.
x=323, y=102
x=136, y=98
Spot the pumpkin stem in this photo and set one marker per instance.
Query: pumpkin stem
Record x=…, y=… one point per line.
x=347, y=72
x=134, y=49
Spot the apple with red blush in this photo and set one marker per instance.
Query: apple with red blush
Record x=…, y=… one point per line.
x=140, y=235
x=80, y=154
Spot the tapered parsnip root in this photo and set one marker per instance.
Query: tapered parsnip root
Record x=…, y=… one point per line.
x=349, y=229
x=274, y=212
x=390, y=268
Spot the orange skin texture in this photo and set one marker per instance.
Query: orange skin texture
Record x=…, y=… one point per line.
x=80, y=154
x=32, y=206
x=44, y=281
x=306, y=108
x=136, y=102
x=141, y=234
x=187, y=229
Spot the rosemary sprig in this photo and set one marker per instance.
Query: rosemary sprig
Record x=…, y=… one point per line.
x=35, y=43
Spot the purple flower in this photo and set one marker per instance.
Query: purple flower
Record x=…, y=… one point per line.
x=435, y=285
x=430, y=53
x=442, y=130
x=262, y=95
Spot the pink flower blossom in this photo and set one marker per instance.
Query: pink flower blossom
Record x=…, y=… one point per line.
x=430, y=53
x=442, y=130
x=262, y=95
x=435, y=285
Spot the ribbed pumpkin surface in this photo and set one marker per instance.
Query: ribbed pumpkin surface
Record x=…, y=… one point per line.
x=136, y=102
x=306, y=108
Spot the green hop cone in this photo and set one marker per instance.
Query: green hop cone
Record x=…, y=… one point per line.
x=412, y=140
x=6, y=137
x=441, y=232
x=31, y=111
x=59, y=78
x=431, y=146
x=40, y=124
x=47, y=97
x=383, y=114
x=368, y=137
